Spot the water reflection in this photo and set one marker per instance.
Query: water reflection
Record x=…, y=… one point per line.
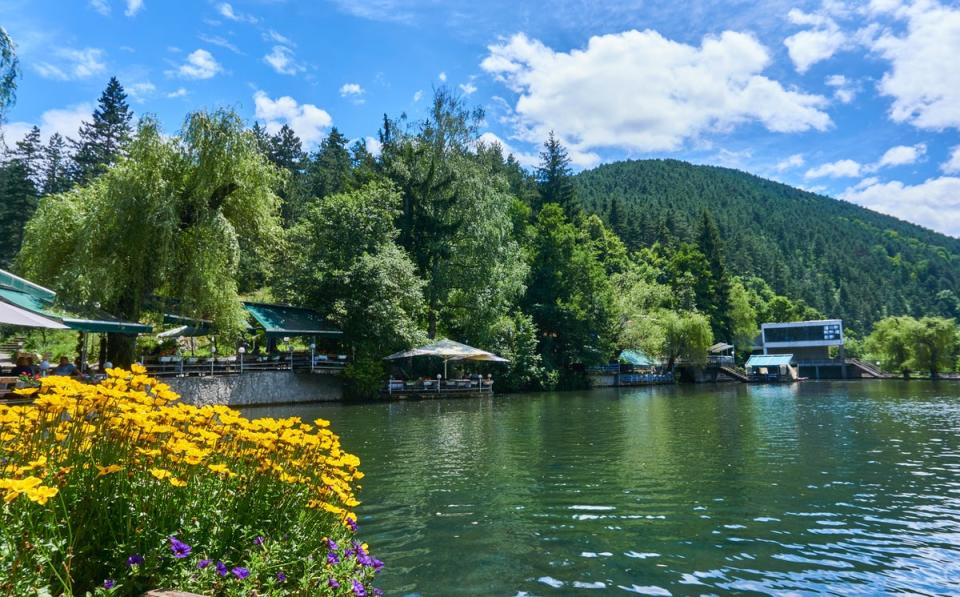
x=810, y=488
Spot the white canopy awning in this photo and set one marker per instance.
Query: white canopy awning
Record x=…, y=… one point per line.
x=17, y=317
x=448, y=350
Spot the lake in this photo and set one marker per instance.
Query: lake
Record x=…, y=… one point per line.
x=846, y=487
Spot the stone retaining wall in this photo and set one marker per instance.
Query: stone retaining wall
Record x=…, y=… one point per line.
x=257, y=388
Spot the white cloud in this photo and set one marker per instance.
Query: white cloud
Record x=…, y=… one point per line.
x=845, y=89
x=442, y=76
x=934, y=203
x=73, y=64
x=924, y=80
x=226, y=11
x=529, y=160
x=350, y=89
x=373, y=145
x=901, y=155
x=307, y=120
x=418, y=95
x=101, y=6
x=952, y=165
x=282, y=60
x=613, y=94
x=65, y=121
x=794, y=161
x=838, y=169
x=200, y=64
x=271, y=35
x=814, y=45
x=179, y=92
x=139, y=92
x=468, y=88
x=216, y=40
x=133, y=7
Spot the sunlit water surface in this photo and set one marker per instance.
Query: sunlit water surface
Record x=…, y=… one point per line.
x=843, y=488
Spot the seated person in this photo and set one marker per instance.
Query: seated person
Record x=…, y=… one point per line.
x=24, y=366
x=65, y=367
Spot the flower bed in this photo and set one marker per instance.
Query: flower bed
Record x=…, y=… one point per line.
x=117, y=488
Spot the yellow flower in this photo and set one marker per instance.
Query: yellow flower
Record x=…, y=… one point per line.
x=177, y=482
x=41, y=494
x=106, y=470
x=160, y=473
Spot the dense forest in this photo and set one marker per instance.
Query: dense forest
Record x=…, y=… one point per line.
x=441, y=235
x=842, y=259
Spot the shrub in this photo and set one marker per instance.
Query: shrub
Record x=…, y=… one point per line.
x=117, y=488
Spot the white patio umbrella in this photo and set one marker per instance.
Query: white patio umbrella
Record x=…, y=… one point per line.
x=17, y=317
x=448, y=350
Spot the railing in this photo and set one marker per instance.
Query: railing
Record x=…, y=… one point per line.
x=720, y=360
x=473, y=385
x=604, y=369
x=176, y=366
x=639, y=378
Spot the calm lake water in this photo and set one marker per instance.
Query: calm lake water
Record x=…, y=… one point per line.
x=843, y=488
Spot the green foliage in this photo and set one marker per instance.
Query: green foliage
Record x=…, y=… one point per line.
x=906, y=344
x=744, y=326
x=555, y=178
x=515, y=339
x=840, y=259
x=103, y=140
x=168, y=220
x=454, y=220
x=347, y=264
x=9, y=72
x=569, y=295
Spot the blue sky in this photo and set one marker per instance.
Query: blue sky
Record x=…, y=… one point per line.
x=855, y=100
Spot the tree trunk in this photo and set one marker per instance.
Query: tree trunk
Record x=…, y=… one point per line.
x=121, y=349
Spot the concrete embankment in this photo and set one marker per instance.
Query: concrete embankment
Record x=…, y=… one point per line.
x=258, y=388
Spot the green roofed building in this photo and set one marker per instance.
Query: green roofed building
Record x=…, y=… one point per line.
x=279, y=321
x=771, y=368
x=32, y=297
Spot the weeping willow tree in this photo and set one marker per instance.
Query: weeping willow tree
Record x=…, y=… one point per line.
x=169, y=220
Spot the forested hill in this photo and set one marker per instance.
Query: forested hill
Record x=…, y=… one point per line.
x=845, y=260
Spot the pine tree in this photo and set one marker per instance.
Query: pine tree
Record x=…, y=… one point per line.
x=29, y=152
x=262, y=137
x=554, y=177
x=105, y=139
x=364, y=164
x=18, y=201
x=56, y=167
x=718, y=308
x=329, y=171
x=286, y=152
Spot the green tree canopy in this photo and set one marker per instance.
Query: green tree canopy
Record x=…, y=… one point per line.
x=168, y=220
x=103, y=140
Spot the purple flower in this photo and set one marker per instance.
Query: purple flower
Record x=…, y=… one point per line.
x=240, y=572
x=203, y=564
x=333, y=558
x=222, y=569
x=135, y=560
x=258, y=540
x=333, y=583
x=352, y=524
x=179, y=548
x=108, y=584
x=281, y=577
x=358, y=589
x=332, y=545
x=377, y=565
x=377, y=592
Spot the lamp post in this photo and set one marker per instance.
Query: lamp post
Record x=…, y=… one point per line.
x=439, y=377
x=313, y=347
x=240, y=351
x=290, y=350
x=213, y=358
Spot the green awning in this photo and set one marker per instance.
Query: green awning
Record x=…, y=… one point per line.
x=104, y=324
x=284, y=320
x=768, y=360
x=15, y=282
x=637, y=358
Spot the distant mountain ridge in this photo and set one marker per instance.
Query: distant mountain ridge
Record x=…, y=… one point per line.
x=843, y=259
